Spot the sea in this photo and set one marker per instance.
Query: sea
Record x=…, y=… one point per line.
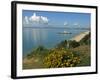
x=47, y=37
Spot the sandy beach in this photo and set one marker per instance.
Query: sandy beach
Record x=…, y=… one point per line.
x=80, y=36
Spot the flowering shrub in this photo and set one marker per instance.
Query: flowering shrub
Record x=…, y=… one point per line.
x=61, y=58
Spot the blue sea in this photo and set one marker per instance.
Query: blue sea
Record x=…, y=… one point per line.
x=47, y=37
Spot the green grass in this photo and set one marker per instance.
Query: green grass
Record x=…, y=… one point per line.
x=84, y=53
x=35, y=58
x=33, y=64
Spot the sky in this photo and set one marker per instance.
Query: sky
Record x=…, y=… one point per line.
x=69, y=19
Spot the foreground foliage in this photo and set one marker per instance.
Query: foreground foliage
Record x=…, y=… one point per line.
x=61, y=58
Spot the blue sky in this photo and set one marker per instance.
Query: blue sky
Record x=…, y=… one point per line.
x=59, y=18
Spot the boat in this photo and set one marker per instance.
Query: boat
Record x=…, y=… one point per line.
x=65, y=32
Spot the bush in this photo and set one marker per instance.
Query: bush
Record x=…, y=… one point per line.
x=40, y=48
x=86, y=40
x=73, y=44
x=61, y=58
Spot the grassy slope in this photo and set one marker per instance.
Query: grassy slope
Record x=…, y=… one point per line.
x=84, y=53
x=37, y=61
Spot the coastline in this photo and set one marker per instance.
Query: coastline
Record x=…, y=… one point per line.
x=37, y=61
x=79, y=37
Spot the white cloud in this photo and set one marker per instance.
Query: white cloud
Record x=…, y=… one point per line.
x=26, y=20
x=44, y=19
x=34, y=19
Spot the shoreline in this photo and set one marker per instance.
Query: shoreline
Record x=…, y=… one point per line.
x=80, y=36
